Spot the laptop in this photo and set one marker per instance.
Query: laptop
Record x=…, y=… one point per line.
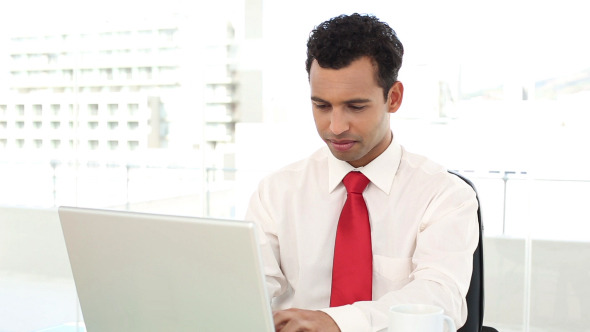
x=148, y=272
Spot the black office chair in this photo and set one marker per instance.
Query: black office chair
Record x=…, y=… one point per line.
x=475, y=298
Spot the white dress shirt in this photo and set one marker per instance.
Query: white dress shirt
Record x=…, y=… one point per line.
x=424, y=231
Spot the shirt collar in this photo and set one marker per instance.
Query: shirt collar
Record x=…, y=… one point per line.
x=380, y=171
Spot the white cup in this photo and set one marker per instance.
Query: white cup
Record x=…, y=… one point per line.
x=418, y=318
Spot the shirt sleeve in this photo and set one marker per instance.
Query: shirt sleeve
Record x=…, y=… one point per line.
x=441, y=266
x=269, y=244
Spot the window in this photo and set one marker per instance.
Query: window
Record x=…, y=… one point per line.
x=113, y=109
x=18, y=75
x=106, y=35
x=113, y=125
x=38, y=143
x=133, y=109
x=92, y=125
x=3, y=142
x=125, y=73
x=20, y=110
x=87, y=74
x=52, y=58
x=55, y=124
x=93, y=144
x=106, y=73
x=143, y=52
x=16, y=57
x=113, y=145
x=20, y=143
x=145, y=33
x=105, y=55
x=133, y=125
x=168, y=53
x=3, y=109
x=93, y=109
x=3, y=125
x=68, y=74
x=37, y=124
x=218, y=92
x=167, y=34
x=55, y=143
x=36, y=59
x=20, y=124
x=171, y=73
x=145, y=72
x=133, y=145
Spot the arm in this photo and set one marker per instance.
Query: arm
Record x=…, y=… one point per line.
x=290, y=319
x=269, y=245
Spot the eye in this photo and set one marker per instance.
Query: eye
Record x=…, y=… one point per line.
x=357, y=107
x=320, y=106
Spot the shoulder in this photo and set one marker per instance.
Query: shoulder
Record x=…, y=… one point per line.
x=420, y=170
x=426, y=183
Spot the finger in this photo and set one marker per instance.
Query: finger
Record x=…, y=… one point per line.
x=281, y=318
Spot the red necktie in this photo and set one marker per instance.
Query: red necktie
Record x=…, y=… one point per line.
x=352, y=273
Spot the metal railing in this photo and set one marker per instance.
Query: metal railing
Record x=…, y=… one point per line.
x=513, y=202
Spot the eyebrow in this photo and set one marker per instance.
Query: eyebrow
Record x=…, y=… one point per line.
x=350, y=101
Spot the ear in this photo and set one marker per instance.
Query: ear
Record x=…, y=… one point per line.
x=395, y=96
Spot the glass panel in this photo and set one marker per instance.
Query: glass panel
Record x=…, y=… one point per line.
x=505, y=283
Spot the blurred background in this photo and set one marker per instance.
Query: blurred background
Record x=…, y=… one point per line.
x=181, y=107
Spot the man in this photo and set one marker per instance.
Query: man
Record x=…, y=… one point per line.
x=422, y=221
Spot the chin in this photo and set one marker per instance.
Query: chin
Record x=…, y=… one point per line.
x=344, y=156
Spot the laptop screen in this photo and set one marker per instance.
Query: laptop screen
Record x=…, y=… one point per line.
x=148, y=272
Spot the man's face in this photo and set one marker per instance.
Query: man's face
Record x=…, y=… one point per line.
x=350, y=112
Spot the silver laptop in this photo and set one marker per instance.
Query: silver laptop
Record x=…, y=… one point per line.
x=147, y=272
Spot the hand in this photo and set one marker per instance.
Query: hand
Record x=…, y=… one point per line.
x=299, y=320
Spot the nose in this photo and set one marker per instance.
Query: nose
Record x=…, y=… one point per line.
x=338, y=122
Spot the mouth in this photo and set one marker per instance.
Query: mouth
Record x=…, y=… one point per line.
x=342, y=145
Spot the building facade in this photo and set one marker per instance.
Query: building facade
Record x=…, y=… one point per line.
x=120, y=87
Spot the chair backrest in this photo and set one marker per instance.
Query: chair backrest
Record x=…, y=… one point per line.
x=475, y=298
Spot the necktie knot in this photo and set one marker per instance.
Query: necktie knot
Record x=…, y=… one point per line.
x=355, y=182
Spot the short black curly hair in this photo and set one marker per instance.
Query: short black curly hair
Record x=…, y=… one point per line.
x=339, y=41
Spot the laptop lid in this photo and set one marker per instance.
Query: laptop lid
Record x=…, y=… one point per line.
x=149, y=272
